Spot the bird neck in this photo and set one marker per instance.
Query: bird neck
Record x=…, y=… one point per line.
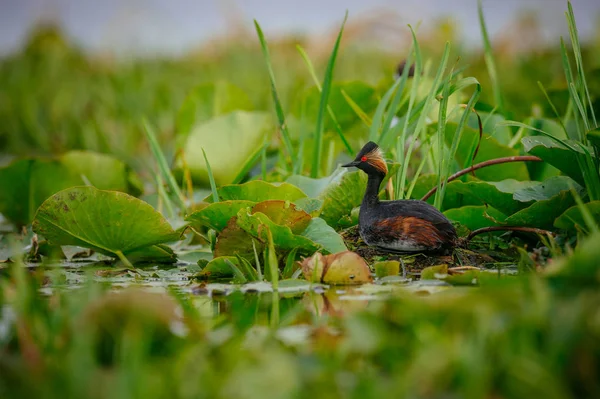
x=371, y=197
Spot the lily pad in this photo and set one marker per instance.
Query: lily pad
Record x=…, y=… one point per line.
x=475, y=217
x=229, y=140
x=160, y=253
x=258, y=191
x=434, y=272
x=106, y=221
x=341, y=197
x=572, y=218
x=218, y=268
x=284, y=213
x=234, y=240
x=489, y=148
x=542, y=214
x=257, y=224
x=26, y=183
x=315, y=187
x=387, y=268
x=539, y=191
x=321, y=233
x=216, y=216
x=556, y=155
x=346, y=268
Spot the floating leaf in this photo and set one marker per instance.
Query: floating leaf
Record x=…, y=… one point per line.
x=26, y=183
x=387, y=268
x=284, y=213
x=342, y=268
x=218, y=268
x=106, y=221
x=321, y=233
x=499, y=195
x=542, y=214
x=258, y=191
x=489, y=148
x=346, y=268
x=230, y=141
x=312, y=267
x=434, y=272
x=315, y=187
x=556, y=155
x=476, y=217
x=160, y=253
x=539, y=191
x=256, y=225
x=216, y=216
x=233, y=240
x=573, y=219
x=341, y=197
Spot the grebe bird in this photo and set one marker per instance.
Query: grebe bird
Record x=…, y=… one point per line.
x=401, y=225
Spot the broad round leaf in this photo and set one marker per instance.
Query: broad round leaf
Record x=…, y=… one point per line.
x=216, y=216
x=572, y=218
x=26, y=183
x=106, y=221
x=230, y=141
x=257, y=191
x=284, y=213
x=346, y=268
x=341, y=197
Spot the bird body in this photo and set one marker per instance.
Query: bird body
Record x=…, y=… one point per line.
x=401, y=225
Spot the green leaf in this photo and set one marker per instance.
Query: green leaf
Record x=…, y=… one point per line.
x=489, y=148
x=475, y=217
x=361, y=93
x=233, y=240
x=346, y=268
x=545, y=190
x=321, y=233
x=229, y=141
x=208, y=100
x=315, y=187
x=216, y=216
x=429, y=273
x=106, y=221
x=564, y=159
x=341, y=197
x=387, y=268
x=257, y=191
x=499, y=195
x=218, y=268
x=284, y=213
x=159, y=253
x=26, y=183
x=572, y=219
x=542, y=214
x=257, y=224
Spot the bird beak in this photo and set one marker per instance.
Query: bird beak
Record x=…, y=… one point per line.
x=350, y=164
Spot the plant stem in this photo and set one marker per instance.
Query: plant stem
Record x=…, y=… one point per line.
x=497, y=161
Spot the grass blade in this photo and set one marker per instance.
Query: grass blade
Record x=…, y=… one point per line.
x=490, y=62
x=313, y=75
x=163, y=166
x=211, y=179
x=318, y=147
x=287, y=141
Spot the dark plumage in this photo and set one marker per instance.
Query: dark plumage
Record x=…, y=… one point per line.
x=402, y=225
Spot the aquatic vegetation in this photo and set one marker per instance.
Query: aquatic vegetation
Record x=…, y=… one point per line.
x=175, y=228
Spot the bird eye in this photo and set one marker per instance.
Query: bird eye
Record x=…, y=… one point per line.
x=363, y=159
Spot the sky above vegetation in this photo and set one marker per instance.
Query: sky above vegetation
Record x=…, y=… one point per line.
x=177, y=25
